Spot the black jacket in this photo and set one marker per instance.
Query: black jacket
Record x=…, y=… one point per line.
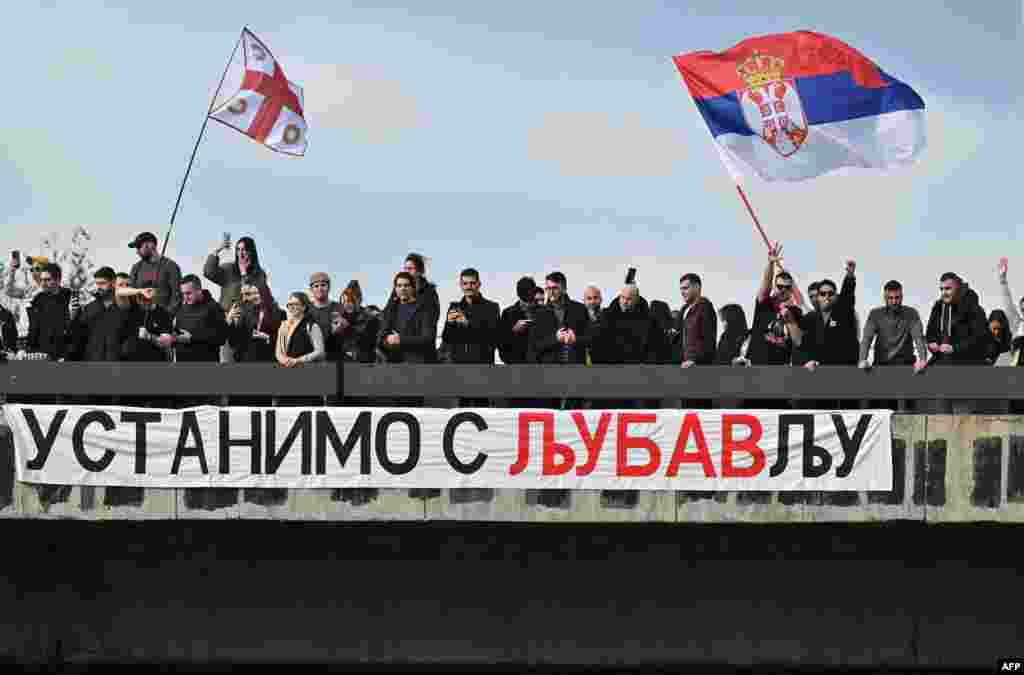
x=156, y=321
x=835, y=343
x=418, y=335
x=629, y=337
x=963, y=325
x=476, y=342
x=544, y=346
x=8, y=331
x=662, y=315
x=97, y=333
x=205, y=322
x=49, y=325
x=250, y=349
x=426, y=299
x=358, y=341
x=514, y=348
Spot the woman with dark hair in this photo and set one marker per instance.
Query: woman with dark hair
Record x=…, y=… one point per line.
x=253, y=326
x=299, y=338
x=358, y=328
x=735, y=333
x=999, y=349
x=230, y=276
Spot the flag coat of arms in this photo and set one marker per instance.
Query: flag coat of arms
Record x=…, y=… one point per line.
x=267, y=107
x=797, y=105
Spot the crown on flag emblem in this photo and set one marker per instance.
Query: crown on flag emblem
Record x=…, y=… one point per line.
x=761, y=69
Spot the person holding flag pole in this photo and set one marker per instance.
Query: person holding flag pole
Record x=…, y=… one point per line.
x=795, y=106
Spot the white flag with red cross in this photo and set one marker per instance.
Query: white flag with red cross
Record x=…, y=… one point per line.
x=267, y=107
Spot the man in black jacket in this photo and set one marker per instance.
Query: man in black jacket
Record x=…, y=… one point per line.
x=408, y=330
x=471, y=325
x=514, y=324
x=957, y=331
x=471, y=329
x=8, y=331
x=49, y=315
x=97, y=330
x=199, y=325
x=830, y=331
x=560, y=333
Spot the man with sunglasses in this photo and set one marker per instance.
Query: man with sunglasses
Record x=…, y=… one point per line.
x=957, y=331
x=776, y=326
x=830, y=330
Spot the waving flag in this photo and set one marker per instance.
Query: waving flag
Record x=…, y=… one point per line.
x=798, y=105
x=267, y=107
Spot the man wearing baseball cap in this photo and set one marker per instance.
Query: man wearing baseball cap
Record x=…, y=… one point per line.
x=325, y=312
x=156, y=271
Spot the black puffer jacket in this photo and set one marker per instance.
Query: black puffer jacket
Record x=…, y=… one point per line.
x=358, y=340
x=476, y=342
x=205, y=322
x=963, y=325
x=49, y=323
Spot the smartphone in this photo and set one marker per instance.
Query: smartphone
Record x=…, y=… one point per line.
x=16, y=256
x=227, y=239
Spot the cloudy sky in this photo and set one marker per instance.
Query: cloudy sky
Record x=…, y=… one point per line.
x=512, y=137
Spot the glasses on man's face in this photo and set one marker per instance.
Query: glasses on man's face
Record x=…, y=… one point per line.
x=294, y=305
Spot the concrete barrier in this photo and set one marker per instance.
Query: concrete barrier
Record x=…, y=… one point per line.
x=948, y=468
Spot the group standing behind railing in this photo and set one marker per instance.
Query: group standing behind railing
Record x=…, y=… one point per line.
x=153, y=313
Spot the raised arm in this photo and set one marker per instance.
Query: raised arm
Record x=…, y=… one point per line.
x=1009, y=306
x=768, y=278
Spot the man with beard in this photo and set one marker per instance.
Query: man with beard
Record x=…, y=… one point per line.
x=97, y=331
x=514, y=324
x=830, y=330
x=156, y=271
x=696, y=328
x=324, y=312
x=896, y=332
x=356, y=328
x=958, y=331
x=50, y=315
x=199, y=326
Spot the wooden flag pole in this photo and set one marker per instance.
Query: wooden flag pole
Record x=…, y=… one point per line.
x=195, y=149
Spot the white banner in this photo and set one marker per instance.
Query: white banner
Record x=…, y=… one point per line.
x=438, y=448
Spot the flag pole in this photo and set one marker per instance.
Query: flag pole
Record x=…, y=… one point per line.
x=750, y=210
x=195, y=149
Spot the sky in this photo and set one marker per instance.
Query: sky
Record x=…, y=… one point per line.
x=516, y=138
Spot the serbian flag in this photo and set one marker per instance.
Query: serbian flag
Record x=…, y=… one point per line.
x=793, y=106
x=267, y=107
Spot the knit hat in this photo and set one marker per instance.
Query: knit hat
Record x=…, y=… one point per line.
x=319, y=276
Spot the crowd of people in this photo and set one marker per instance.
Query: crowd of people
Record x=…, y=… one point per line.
x=154, y=313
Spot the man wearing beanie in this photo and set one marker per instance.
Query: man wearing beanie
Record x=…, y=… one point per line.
x=324, y=312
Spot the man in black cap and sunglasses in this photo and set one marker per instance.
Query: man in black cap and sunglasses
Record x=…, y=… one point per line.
x=830, y=331
x=156, y=271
